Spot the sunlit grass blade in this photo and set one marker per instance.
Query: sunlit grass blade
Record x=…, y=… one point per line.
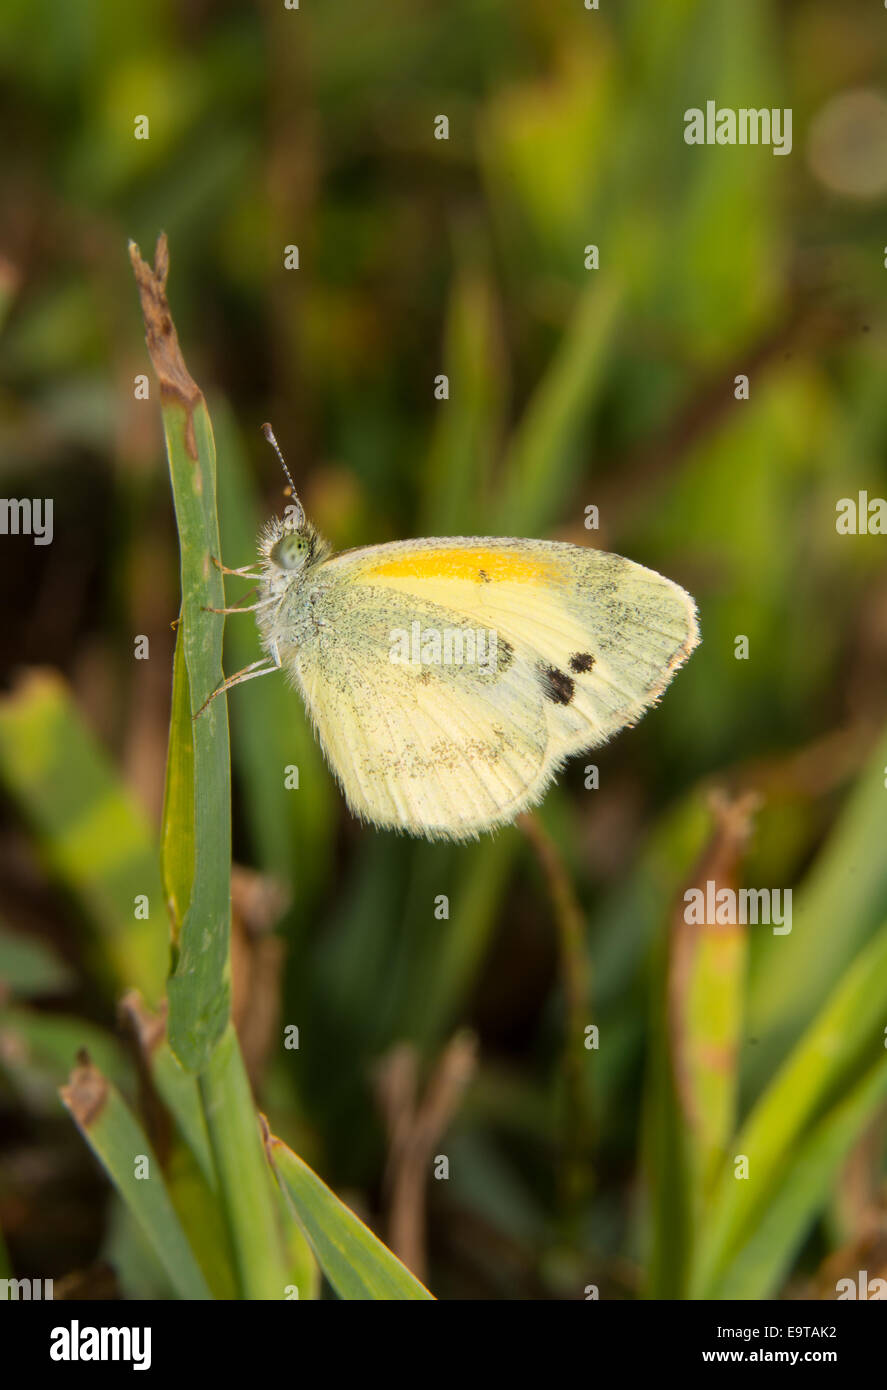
x=694, y=1067
x=846, y=1034
x=760, y=1264
x=354, y=1260
x=304, y=1275
x=122, y=1146
x=847, y=885
x=706, y=991
x=96, y=840
x=713, y=1021
x=202, y=1219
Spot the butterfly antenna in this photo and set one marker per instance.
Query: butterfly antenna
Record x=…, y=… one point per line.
x=269, y=435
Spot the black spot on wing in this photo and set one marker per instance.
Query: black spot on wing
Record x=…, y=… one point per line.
x=581, y=661
x=556, y=685
x=483, y=576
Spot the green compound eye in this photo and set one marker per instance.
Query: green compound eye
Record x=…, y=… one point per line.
x=290, y=551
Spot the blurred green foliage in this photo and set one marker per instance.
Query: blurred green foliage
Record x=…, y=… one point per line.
x=568, y=387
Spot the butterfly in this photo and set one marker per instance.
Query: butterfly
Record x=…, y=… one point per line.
x=448, y=680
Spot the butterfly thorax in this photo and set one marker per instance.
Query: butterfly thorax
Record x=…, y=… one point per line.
x=289, y=558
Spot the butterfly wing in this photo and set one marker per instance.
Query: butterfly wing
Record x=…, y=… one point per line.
x=584, y=642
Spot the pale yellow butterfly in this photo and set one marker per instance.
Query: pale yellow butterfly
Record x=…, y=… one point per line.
x=449, y=679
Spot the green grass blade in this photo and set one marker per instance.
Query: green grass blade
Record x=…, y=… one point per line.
x=304, y=1273
x=36, y=1048
x=177, y=827
x=713, y=1022
x=191, y=1171
x=694, y=1074
x=177, y=1088
x=29, y=967
x=197, y=832
x=679, y=1131
x=179, y=1092
x=667, y=1219
x=199, y=988
x=118, y=1141
x=246, y=1188
x=845, y=1031
x=202, y=1219
x=97, y=841
x=465, y=438
x=847, y=884
x=544, y=459
x=461, y=947
x=760, y=1265
x=354, y=1260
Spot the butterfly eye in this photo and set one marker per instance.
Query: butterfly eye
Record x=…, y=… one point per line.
x=290, y=551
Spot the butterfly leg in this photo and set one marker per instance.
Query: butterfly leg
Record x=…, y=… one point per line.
x=238, y=609
x=265, y=666
x=245, y=572
x=248, y=608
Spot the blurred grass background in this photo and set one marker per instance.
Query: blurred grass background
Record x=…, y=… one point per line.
x=567, y=387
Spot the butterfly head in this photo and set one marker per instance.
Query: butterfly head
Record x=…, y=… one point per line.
x=293, y=543
x=294, y=548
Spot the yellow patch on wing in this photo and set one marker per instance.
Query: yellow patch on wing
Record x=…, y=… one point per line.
x=483, y=566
